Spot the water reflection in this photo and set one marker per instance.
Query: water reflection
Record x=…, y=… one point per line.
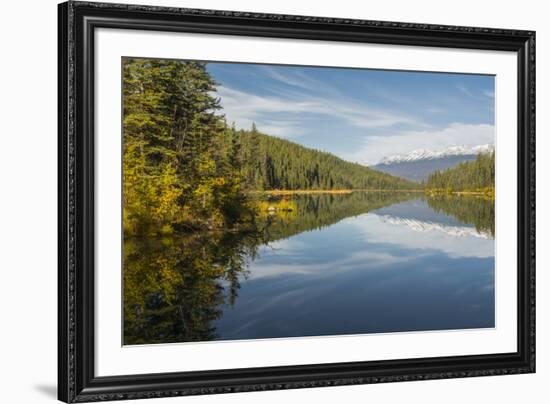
x=336, y=264
x=175, y=288
x=469, y=210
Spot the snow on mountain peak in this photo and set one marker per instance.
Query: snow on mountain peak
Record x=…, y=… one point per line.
x=428, y=226
x=425, y=154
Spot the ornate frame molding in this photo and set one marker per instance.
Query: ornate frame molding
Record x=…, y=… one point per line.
x=76, y=380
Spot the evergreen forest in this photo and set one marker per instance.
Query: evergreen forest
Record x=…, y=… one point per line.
x=477, y=175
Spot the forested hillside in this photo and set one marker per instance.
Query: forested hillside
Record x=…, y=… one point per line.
x=477, y=175
x=272, y=163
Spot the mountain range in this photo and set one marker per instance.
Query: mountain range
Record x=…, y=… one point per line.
x=419, y=164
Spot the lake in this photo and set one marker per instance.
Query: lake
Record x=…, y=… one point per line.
x=332, y=264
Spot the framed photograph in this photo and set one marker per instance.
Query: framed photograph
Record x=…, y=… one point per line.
x=258, y=201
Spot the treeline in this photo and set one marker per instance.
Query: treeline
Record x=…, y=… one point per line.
x=272, y=163
x=179, y=156
x=477, y=211
x=477, y=175
x=185, y=169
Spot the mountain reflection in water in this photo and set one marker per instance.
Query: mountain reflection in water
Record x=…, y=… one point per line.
x=363, y=262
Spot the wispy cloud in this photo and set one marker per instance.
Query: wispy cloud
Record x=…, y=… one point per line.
x=283, y=128
x=368, y=261
x=296, y=79
x=376, y=147
x=481, y=96
x=464, y=90
x=358, y=115
x=244, y=108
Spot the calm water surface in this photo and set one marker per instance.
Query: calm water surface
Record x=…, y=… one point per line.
x=337, y=264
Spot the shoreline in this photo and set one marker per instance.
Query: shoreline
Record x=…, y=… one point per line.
x=429, y=193
x=460, y=193
x=328, y=191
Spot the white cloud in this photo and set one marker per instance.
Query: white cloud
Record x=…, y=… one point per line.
x=297, y=79
x=375, y=229
x=402, y=142
x=250, y=104
x=283, y=129
x=244, y=108
x=366, y=260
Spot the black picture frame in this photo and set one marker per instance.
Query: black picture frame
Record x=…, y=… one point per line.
x=77, y=22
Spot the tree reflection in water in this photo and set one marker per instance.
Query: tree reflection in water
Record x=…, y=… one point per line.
x=176, y=287
x=478, y=211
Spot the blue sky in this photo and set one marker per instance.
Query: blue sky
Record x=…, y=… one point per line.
x=360, y=115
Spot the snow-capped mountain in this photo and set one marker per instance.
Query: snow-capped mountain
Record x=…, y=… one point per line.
x=425, y=226
x=424, y=154
x=419, y=164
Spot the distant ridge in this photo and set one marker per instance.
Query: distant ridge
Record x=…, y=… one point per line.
x=424, y=154
x=419, y=164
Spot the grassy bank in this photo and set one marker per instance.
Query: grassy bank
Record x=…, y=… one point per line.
x=283, y=192
x=488, y=192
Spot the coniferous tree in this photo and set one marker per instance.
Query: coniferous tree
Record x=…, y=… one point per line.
x=273, y=163
x=178, y=172
x=186, y=169
x=477, y=175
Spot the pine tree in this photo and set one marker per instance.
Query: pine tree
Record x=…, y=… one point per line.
x=178, y=172
x=477, y=175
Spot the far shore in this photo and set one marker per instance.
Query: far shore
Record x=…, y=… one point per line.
x=472, y=193
x=461, y=193
x=327, y=191
x=282, y=192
